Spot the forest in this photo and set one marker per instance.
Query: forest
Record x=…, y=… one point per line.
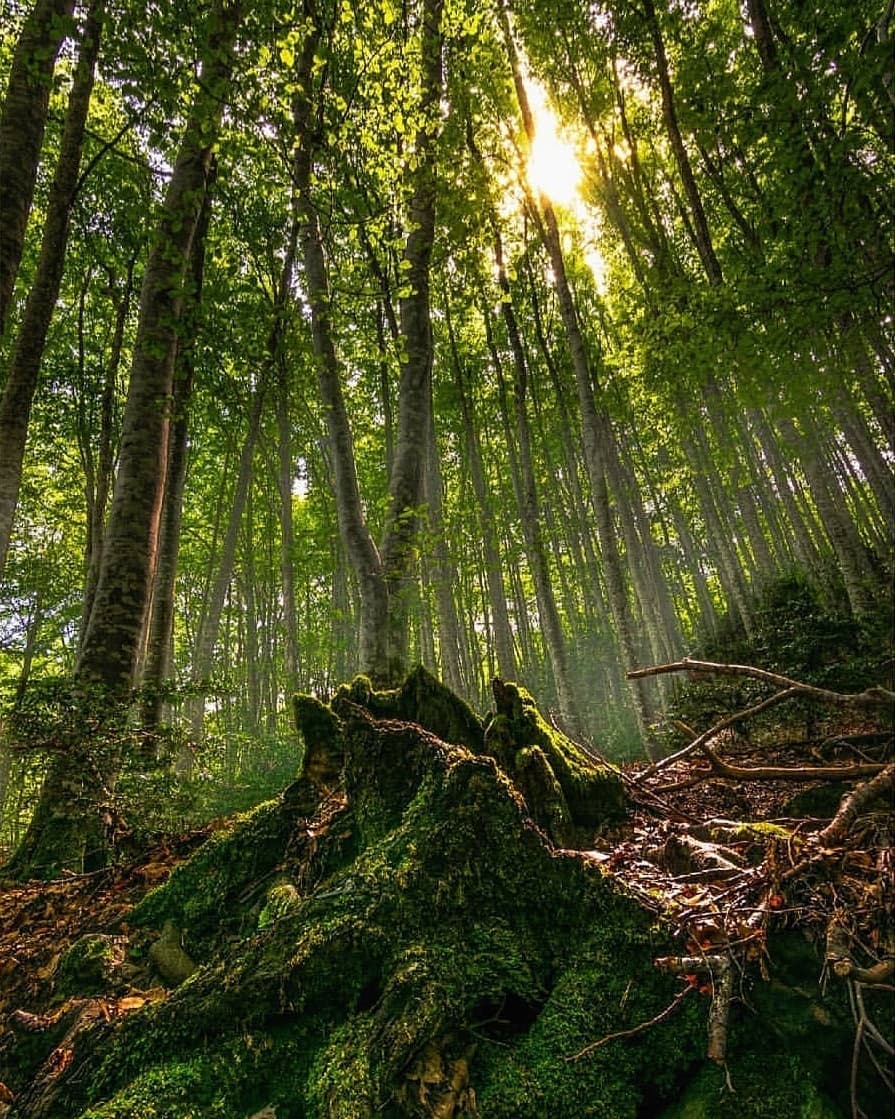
x=446, y=548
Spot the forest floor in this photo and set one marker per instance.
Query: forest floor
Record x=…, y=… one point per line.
x=721, y=861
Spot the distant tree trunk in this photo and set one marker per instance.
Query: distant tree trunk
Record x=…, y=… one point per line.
x=497, y=601
x=834, y=516
x=358, y=541
x=701, y=233
x=22, y=123
x=209, y=628
x=530, y=514
x=65, y=821
x=21, y=382
x=286, y=464
x=252, y=624
x=414, y=398
x=442, y=573
x=98, y=497
x=158, y=665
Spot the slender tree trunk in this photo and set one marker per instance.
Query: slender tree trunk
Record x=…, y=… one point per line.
x=414, y=399
x=442, y=572
x=22, y=123
x=105, y=458
x=209, y=630
x=158, y=666
x=65, y=821
x=286, y=468
x=502, y=632
x=530, y=513
x=21, y=382
x=357, y=539
x=701, y=233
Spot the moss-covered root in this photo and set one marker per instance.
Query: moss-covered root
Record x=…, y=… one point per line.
x=570, y=794
x=423, y=700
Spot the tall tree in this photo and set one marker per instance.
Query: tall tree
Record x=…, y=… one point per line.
x=22, y=123
x=21, y=381
x=65, y=821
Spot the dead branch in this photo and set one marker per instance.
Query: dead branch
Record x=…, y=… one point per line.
x=720, y=970
x=872, y=697
x=791, y=773
x=660, y=1017
x=714, y=731
x=854, y=802
x=719, y=1013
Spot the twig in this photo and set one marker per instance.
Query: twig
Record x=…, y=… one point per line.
x=661, y=1016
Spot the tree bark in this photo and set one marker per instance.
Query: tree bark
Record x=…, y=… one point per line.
x=414, y=399
x=21, y=382
x=65, y=821
x=357, y=539
x=22, y=125
x=158, y=665
x=497, y=600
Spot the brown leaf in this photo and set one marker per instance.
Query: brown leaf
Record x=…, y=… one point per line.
x=131, y=1002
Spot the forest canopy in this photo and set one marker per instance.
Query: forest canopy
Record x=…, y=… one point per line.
x=446, y=520
x=538, y=341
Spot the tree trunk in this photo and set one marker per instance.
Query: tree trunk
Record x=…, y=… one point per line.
x=530, y=514
x=497, y=600
x=22, y=124
x=209, y=629
x=414, y=399
x=356, y=537
x=18, y=392
x=65, y=821
x=105, y=457
x=442, y=572
x=158, y=665
x=701, y=233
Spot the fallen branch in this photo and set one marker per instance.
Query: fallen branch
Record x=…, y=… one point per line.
x=854, y=802
x=660, y=1017
x=871, y=697
x=714, y=731
x=791, y=773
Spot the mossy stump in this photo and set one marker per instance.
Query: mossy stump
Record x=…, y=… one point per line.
x=397, y=936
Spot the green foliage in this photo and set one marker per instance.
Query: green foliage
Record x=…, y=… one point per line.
x=801, y=633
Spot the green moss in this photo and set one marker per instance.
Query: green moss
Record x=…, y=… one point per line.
x=202, y=896
x=239, y=1077
x=593, y=792
x=88, y=966
x=767, y=1085
x=423, y=700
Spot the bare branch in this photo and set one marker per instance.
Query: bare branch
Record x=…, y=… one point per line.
x=871, y=697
